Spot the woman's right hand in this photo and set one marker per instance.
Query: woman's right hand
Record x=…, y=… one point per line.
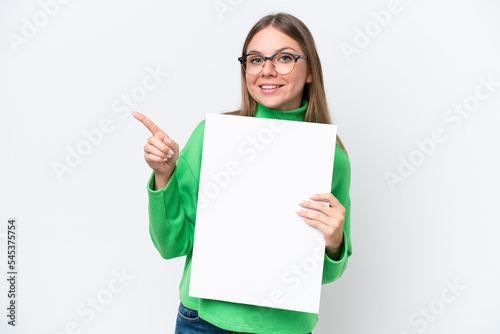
x=161, y=152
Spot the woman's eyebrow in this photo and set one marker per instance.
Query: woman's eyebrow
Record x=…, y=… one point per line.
x=279, y=50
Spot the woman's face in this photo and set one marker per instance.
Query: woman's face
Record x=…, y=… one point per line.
x=288, y=95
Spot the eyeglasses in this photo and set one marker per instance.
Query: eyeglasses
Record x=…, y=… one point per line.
x=283, y=62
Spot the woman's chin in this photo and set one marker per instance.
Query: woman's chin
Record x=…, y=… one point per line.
x=271, y=103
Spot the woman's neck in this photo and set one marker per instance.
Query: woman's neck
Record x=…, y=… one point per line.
x=292, y=115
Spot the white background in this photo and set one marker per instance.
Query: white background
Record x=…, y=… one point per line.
x=440, y=225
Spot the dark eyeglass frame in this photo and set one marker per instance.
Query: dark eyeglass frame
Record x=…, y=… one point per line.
x=243, y=58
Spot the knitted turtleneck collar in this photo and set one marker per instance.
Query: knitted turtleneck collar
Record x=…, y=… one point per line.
x=292, y=115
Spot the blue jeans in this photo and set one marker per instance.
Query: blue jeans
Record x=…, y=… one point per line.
x=188, y=322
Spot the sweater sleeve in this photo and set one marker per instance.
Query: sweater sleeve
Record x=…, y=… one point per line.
x=341, y=181
x=172, y=210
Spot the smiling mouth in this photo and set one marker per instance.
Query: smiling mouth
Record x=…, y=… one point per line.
x=270, y=86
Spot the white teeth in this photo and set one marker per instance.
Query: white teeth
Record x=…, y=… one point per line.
x=270, y=86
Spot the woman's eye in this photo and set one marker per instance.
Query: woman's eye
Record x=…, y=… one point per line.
x=255, y=60
x=285, y=59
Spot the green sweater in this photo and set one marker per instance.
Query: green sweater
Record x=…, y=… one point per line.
x=172, y=217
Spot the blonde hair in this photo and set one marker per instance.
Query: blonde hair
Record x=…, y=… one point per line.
x=314, y=92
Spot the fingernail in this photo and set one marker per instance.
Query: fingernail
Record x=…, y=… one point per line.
x=165, y=159
x=171, y=152
x=312, y=196
x=301, y=202
x=169, y=141
x=298, y=211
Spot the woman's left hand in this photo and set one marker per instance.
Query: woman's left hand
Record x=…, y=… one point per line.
x=329, y=220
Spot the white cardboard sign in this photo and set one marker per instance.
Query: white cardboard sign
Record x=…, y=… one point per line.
x=250, y=246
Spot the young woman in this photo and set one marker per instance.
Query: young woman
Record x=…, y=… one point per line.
x=281, y=78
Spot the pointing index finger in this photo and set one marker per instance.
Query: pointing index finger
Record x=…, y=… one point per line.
x=147, y=123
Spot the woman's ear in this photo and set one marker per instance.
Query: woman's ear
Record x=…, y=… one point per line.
x=309, y=78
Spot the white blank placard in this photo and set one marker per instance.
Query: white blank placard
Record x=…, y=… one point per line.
x=250, y=246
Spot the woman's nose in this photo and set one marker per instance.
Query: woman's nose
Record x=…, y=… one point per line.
x=268, y=68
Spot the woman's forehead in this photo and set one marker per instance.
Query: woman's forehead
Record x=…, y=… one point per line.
x=283, y=49
x=271, y=40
